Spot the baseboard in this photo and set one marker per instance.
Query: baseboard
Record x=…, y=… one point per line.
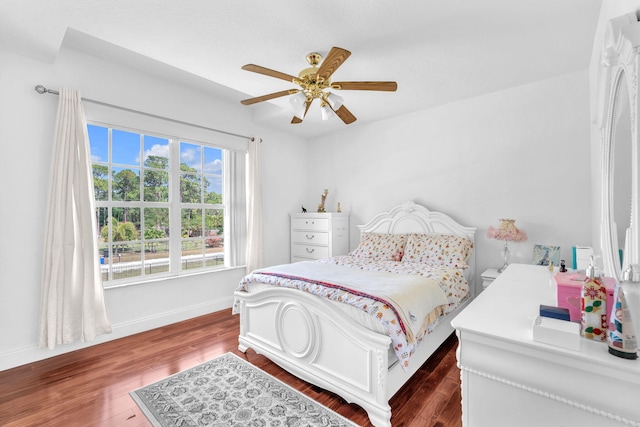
x=30, y=354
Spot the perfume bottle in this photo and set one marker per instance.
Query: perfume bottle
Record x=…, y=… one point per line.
x=621, y=337
x=593, y=302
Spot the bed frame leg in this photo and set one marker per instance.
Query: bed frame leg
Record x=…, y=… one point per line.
x=242, y=347
x=380, y=417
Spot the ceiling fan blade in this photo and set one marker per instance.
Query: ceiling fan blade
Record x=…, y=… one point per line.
x=346, y=115
x=266, y=97
x=268, y=72
x=334, y=59
x=297, y=119
x=382, y=86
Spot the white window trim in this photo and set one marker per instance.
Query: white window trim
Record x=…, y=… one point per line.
x=175, y=207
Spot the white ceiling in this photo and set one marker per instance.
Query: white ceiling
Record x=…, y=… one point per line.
x=439, y=51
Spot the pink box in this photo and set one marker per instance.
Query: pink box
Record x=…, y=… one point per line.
x=569, y=287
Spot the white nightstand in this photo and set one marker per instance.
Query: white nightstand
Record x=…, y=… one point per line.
x=488, y=276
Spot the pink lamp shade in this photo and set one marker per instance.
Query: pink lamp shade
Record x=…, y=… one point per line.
x=507, y=231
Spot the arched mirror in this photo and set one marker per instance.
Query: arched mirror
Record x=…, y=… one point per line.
x=617, y=163
x=618, y=116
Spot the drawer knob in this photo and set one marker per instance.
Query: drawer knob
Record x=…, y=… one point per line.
x=309, y=251
x=310, y=237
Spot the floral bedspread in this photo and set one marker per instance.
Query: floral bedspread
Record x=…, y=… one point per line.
x=451, y=281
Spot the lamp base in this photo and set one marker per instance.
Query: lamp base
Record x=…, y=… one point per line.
x=505, y=255
x=503, y=268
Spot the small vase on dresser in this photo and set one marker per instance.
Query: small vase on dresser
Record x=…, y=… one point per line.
x=319, y=235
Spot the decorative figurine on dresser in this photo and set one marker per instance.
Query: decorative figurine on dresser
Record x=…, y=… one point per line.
x=323, y=198
x=563, y=266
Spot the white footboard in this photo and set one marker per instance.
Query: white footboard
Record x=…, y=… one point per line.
x=308, y=337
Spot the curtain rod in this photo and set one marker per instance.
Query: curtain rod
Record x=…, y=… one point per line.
x=42, y=90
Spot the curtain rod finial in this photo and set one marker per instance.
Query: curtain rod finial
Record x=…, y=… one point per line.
x=41, y=89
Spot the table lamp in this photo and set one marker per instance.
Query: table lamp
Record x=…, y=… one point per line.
x=507, y=231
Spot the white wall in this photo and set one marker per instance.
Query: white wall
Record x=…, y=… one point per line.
x=27, y=121
x=521, y=153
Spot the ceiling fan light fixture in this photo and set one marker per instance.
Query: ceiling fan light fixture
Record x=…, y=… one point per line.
x=314, y=83
x=298, y=102
x=335, y=101
x=326, y=111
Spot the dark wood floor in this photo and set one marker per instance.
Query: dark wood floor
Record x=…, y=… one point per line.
x=91, y=387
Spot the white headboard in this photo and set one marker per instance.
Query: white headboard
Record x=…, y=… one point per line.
x=412, y=218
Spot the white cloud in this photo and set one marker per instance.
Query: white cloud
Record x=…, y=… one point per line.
x=214, y=167
x=160, y=150
x=191, y=157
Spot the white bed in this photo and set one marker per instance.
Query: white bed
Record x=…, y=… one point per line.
x=303, y=333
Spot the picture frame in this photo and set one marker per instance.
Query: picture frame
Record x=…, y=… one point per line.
x=543, y=254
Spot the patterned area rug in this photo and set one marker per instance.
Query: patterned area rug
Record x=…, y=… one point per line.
x=228, y=391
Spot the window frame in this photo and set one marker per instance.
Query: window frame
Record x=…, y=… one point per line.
x=174, y=205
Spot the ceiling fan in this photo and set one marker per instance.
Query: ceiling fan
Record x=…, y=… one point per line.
x=314, y=83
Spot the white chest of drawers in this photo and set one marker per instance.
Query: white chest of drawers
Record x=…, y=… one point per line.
x=319, y=235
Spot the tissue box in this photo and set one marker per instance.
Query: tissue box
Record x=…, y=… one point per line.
x=569, y=287
x=557, y=332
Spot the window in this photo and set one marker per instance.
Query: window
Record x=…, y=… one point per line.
x=160, y=205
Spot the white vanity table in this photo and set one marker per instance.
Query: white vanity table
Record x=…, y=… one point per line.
x=510, y=380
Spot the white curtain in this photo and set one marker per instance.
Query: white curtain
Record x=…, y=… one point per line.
x=237, y=213
x=254, y=207
x=72, y=306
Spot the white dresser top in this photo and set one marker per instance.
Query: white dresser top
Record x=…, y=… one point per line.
x=504, y=314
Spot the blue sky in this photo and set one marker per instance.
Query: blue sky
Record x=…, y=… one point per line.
x=127, y=151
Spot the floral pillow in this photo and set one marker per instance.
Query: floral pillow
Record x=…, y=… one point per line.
x=381, y=246
x=438, y=249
